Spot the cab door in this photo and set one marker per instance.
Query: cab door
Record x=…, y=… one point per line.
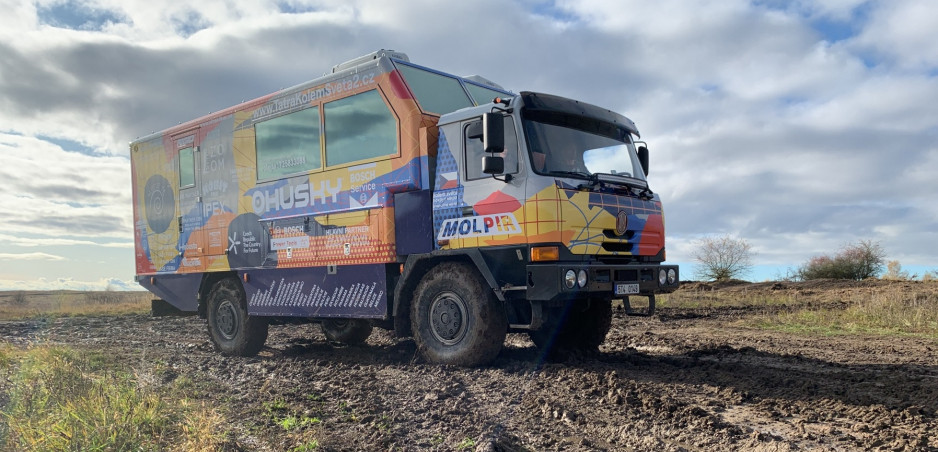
x=189, y=215
x=493, y=214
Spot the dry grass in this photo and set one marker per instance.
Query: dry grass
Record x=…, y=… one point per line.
x=825, y=306
x=59, y=398
x=16, y=305
x=883, y=313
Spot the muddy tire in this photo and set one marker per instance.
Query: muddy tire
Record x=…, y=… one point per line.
x=456, y=318
x=232, y=330
x=574, y=331
x=347, y=331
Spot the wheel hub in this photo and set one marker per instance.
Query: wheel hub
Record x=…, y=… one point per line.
x=227, y=319
x=448, y=314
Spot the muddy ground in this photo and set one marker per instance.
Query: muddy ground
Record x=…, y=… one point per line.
x=688, y=379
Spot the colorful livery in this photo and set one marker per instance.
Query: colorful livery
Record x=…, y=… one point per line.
x=389, y=194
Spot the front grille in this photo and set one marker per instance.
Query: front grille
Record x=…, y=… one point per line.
x=618, y=247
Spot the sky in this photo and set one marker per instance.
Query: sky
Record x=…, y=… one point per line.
x=798, y=126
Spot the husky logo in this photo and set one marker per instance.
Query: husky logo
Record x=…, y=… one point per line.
x=479, y=226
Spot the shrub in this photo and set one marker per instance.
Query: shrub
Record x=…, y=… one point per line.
x=862, y=260
x=722, y=258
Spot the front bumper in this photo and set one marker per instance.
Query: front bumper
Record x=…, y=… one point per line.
x=546, y=282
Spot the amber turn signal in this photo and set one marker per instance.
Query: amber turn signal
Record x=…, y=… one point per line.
x=545, y=253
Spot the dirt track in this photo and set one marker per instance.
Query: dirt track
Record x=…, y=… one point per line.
x=685, y=380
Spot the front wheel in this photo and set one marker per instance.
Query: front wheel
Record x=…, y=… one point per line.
x=456, y=318
x=232, y=330
x=347, y=331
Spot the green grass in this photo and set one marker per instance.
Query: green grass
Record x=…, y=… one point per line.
x=59, y=398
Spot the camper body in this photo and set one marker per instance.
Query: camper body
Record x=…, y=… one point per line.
x=389, y=194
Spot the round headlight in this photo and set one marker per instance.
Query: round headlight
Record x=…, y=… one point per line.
x=581, y=278
x=672, y=276
x=662, y=277
x=569, y=279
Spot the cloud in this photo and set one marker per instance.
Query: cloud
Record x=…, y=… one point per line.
x=70, y=284
x=30, y=257
x=797, y=125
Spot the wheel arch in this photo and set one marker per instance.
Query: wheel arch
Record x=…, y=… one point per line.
x=209, y=280
x=416, y=266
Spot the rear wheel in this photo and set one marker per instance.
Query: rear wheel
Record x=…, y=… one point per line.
x=232, y=330
x=571, y=330
x=347, y=331
x=456, y=318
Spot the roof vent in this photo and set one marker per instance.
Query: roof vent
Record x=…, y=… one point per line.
x=371, y=56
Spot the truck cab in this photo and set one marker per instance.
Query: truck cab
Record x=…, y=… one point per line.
x=553, y=194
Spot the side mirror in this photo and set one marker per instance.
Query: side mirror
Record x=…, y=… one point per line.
x=643, y=158
x=493, y=133
x=493, y=164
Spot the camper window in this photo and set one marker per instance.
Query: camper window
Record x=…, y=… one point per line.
x=360, y=127
x=288, y=144
x=186, y=168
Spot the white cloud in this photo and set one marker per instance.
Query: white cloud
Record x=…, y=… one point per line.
x=30, y=257
x=759, y=124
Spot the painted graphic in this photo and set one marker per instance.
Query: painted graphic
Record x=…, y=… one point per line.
x=479, y=226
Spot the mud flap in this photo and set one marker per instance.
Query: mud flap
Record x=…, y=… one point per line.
x=647, y=312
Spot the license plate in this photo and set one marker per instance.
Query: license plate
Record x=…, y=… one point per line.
x=626, y=289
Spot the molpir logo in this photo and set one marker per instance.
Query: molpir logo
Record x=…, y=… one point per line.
x=479, y=226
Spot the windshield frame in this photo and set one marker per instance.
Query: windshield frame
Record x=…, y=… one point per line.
x=585, y=129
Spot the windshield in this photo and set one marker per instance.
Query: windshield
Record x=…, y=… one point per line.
x=580, y=147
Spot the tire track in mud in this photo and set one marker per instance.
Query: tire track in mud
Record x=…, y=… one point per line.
x=680, y=382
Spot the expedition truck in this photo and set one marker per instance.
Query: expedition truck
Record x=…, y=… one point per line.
x=393, y=195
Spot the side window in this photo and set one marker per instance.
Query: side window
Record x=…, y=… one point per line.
x=474, y=150
x=288, y=144
x=186, y=167
x=359, y=127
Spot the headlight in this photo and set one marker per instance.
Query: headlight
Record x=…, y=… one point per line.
x=569, y=279
x=672, y=276
x=581, y=278
x=662, y=277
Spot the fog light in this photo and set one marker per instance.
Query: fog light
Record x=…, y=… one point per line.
x=581, y=278
x=662, y=277
x=569, y=279
x=672, y=276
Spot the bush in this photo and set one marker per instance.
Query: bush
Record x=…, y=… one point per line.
x=722, y=258
x=862, y=260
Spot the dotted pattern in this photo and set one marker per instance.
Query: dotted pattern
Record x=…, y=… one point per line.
x=445, y=163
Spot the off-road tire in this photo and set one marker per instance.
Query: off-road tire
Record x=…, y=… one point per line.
x=569, y=330
x=233, y=331
x=347, y=331
x=456, y=318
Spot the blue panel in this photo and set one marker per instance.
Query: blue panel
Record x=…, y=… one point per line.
x=413, y=228
x=354, y=291
x=180, y=291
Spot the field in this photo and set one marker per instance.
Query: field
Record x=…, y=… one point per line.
x=826, y=365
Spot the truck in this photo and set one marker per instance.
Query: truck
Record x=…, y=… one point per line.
x=388, y=194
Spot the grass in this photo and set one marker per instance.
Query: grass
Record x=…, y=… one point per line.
x=880, y=313
x=59, y=398
x=16, y=305
x=826, y=308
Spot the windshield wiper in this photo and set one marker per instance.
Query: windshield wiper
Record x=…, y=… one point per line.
x=579, y=174
x=629, y=182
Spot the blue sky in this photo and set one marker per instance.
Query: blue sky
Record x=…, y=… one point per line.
x=798, y=126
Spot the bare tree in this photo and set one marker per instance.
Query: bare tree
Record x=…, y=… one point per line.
x=722, y=258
